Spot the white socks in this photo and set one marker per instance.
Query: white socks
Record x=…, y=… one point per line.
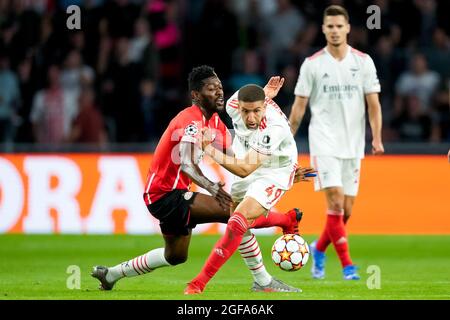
x=140, y=265
x=248, y=249
x=251, y=253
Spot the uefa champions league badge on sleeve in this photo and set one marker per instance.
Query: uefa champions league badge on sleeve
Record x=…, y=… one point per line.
x=191, y=130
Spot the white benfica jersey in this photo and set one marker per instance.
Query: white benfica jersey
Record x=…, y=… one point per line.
x=273, y=137
x=336, y=91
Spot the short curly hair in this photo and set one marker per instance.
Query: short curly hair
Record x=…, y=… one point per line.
x=198, y=74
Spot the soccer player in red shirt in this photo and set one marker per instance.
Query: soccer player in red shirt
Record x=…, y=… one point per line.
x=174, y=166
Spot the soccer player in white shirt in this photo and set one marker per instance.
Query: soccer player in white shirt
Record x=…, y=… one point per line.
x=336, y=81
x=265, y=162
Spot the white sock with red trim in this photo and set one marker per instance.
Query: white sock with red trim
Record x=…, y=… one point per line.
x=251, y=253
x=140, y=265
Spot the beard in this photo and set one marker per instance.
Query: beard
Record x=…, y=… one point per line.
x=209, y=104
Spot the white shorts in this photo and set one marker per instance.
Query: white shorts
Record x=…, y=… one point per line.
x=336, y=172
x=265, y=185
x=266, y=192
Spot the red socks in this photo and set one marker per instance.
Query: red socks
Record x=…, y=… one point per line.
x=324, y=241
x=273, y=219
x=223, y=250
x=335, y=232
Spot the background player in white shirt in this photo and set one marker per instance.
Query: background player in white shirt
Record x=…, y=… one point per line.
x=265, y=161
x=337, y=81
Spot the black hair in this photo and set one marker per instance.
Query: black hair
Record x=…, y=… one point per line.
x=251, y=93
x=197, y=75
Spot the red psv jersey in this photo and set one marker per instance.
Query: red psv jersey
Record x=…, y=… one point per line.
x=165, y=172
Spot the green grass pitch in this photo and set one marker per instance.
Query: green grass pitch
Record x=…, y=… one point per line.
x=35, y=267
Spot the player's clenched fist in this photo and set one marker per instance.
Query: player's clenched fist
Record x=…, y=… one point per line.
x=377, y=147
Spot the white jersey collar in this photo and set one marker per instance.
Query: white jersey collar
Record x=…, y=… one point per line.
x=349, y=49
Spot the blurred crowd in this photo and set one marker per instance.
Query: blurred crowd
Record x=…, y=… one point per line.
x=122, y=76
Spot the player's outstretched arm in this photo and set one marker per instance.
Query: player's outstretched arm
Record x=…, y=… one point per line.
x=375, y=120
x=239, y=167
x=297, y=112
x=190, y=155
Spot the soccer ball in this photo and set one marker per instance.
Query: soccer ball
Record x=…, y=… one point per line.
x=290, y=252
